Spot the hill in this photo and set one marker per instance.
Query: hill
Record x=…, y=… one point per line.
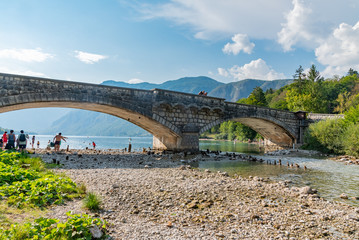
x=186, y=84
x=241, y=89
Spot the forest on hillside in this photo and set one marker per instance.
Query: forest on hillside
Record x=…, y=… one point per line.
x=309, y=92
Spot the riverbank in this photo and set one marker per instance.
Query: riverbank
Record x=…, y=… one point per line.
x=348, y=160
x=157, y=197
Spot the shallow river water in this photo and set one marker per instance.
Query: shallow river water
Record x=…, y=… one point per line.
x=330, y=178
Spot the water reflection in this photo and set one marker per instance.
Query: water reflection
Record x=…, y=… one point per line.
x=330, y=178
x=229, y=146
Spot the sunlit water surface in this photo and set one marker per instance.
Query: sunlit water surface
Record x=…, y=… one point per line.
x=329, y=177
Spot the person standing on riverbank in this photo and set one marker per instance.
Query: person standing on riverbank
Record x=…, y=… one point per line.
x=32, y=141
x=22, y=141
x=4, y=138
x=57, y=140
x=11, y=140
x=129, y=145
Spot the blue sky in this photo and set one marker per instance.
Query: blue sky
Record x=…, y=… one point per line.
x=156, y=41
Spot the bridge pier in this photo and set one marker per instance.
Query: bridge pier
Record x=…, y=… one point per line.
x=187, y=142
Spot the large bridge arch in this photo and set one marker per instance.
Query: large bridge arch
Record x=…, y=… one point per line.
x=135, y=106
x=158, y=130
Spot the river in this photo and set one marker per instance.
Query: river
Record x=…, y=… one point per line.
x=330, y=178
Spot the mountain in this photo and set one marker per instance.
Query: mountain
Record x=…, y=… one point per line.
x=87, y=123
x=186, y=84
x=241, y=89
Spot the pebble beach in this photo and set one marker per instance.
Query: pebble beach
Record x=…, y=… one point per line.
x=158, y=197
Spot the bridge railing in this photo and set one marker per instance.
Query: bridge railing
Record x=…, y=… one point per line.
x=316, y=117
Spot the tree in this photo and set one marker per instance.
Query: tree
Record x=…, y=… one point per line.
x=351, y=72
x=314, y=75
x=342, y=102
x=299, y=78
x=257, y=97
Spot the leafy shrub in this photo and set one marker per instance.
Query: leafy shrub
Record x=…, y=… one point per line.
x=43, y=191
x=76, y=227
x=92, y=201
x=10, y=174
x=10, y=158
x=32, y=186
x=326, y=136
x=351, y=140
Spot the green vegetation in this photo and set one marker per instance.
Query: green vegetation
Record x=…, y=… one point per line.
x=309, y=92
x=27, y=188
x=24, y=182
x=92, y=201
x=339, y=136
x=76, y=227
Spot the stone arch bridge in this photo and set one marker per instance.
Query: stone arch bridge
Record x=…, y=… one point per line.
x=175, y=119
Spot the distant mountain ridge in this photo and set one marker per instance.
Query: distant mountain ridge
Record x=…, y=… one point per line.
x=186, y=84
x=236, y=90
x=230, y=91
x=86, y=123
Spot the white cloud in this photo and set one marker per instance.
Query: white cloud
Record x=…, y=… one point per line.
x=295, y=29
x=134, y=81
x=240, y=43
x=311, y=22
x=256, y=69
x=26, y=55
x=21, y=72
x=212, y=18
x=89, y=58
x=223, y=72
x=340, y=51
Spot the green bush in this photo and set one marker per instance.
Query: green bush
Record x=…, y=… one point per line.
x=326, y=136
x=23, y=182
x=351, y=140
x=92, y=201
x=76, y=227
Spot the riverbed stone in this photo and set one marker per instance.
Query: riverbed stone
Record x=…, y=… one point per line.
x=198, y=204
x=343, y=196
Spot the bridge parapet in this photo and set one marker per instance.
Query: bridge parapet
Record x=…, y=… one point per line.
x=316, y=117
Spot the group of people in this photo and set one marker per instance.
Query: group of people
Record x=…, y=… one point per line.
x=10, y=141
x=203, y=93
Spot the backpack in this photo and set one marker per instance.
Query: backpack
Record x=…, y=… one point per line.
x=22, y=137
x=11, y=137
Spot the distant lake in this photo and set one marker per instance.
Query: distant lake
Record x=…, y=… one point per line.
x=105, y=142
x=81, y=142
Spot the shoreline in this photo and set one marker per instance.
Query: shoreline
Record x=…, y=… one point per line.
x=157, y=197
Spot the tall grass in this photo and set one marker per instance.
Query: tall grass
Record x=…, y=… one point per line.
x=92, y=201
